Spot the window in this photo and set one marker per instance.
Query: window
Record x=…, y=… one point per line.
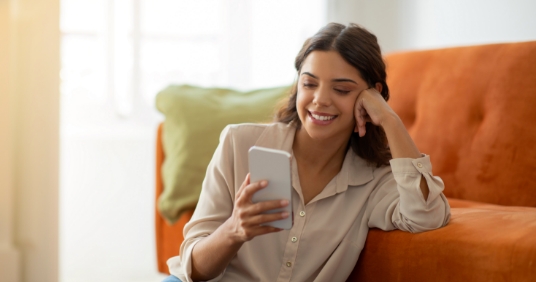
x=116, y=56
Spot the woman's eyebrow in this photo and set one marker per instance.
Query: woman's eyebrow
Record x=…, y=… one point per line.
x=334, y=80
x=310, y=74
x=344, y=80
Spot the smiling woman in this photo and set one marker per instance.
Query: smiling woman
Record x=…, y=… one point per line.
x=341, y=133
x=355, y=56
x=328, y=96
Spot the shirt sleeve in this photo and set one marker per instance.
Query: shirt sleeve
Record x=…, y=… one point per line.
x=398, y=203
x=214, y=207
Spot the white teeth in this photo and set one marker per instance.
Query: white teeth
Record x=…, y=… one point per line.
x=322, y=117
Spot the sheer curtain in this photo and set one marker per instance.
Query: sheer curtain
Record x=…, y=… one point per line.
x=116, y=55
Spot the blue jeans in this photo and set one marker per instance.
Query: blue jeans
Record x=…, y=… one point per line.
x=172, y=278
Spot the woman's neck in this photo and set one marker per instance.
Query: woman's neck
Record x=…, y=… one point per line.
x=319, y=155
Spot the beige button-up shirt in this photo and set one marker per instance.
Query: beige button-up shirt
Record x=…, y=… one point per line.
x=329, y=231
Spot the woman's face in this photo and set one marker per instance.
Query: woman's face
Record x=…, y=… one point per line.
x=328, y=87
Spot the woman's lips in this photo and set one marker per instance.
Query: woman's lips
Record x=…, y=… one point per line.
x=321, y=118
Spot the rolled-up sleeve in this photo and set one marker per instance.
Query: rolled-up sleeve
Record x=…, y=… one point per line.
x=398, y=202
x=215, y=205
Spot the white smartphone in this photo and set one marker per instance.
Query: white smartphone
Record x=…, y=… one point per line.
x=275, y=167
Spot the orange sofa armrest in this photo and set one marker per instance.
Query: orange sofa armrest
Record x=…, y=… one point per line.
x=168, y=237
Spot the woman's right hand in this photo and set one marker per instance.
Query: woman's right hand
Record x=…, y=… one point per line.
x=244, y=224
x=247, y=218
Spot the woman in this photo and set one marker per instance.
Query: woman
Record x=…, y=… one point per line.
x=354, y=166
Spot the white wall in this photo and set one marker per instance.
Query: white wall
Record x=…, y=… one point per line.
x=29, y=126
x=378, y=16
x=423, y=24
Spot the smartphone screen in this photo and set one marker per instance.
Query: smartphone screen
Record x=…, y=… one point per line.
x=275, y=167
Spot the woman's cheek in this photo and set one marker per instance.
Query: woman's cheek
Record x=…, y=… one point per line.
x=300, y=105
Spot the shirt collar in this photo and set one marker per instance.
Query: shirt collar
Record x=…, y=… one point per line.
x=355, y=170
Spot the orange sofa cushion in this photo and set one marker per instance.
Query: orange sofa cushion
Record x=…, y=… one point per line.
x=481, y=243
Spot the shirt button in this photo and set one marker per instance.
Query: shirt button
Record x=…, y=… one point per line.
x=419, y=165
x=289, y=264
x=302, y=213
x=294, y=239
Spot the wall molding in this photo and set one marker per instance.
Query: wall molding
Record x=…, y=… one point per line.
x=29, y=140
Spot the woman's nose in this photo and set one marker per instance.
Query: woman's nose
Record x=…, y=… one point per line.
x=322, y=97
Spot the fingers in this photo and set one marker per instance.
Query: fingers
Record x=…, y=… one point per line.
x=362, y=131
x=243, y=186
x=261, y=230
x=361, y=121
x=253, y=210
x=255, y=214
x=248, y=217
x=362, y=116
x=262, y=207
x=363, y=112
x=250, y=189
x=265, y=218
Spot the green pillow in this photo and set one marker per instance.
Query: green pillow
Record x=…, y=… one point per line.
x=195, y=117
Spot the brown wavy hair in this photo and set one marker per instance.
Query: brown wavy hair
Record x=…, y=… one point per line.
x=360, y=49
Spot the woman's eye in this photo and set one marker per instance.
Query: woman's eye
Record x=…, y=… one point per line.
x=342, y=91
x=308, y=85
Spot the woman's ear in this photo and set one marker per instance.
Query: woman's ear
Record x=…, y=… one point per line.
x=378, y=87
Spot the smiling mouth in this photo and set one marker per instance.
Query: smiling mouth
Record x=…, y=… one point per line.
x=322, y=117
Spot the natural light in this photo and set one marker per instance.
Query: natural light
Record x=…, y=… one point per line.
x=115, y=57
x=79, y=80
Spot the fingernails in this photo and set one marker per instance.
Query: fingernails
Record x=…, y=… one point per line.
x=284, y=214
x=284, y=203
x=264, y=183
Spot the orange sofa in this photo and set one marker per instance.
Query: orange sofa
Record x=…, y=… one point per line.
x=472, y=109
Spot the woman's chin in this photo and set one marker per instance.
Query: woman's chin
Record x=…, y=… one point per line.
x=320, y=134
x=329, y=134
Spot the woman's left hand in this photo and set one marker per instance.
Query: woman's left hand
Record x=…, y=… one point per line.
x=370, y=107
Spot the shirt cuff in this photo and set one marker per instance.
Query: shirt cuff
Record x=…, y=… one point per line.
x=408, y=165
x=181, y=267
